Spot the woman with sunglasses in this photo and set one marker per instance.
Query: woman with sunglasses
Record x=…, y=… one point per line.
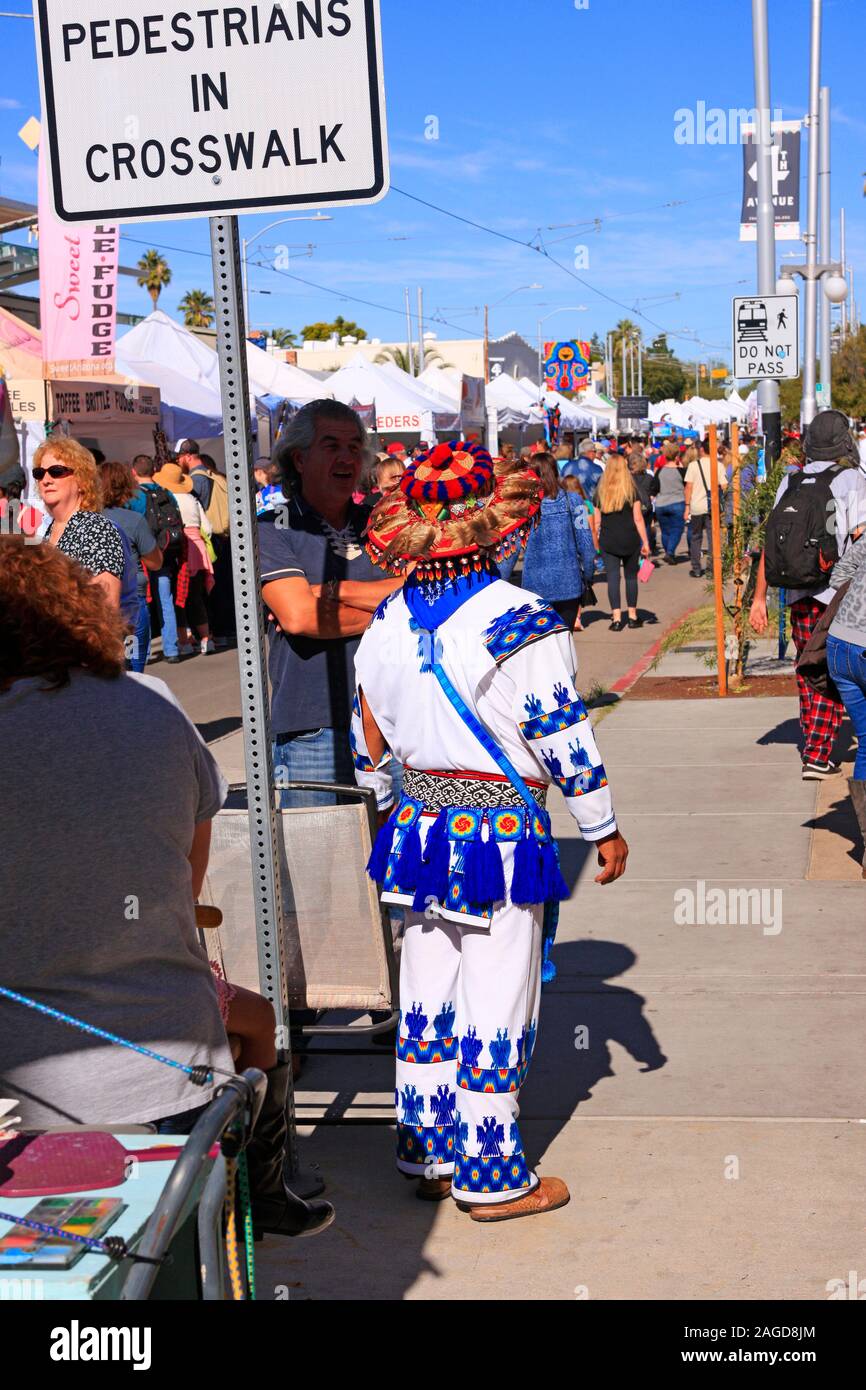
x=70, y=490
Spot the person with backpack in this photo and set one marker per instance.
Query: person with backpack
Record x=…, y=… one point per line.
x=195, y=580
x=819, y=510
x=118, y=487
x=160, y=510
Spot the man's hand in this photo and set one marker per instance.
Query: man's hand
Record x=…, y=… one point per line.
x=612, y=854
x=758, y=615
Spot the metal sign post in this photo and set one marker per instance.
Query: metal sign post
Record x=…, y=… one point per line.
x=258, y=758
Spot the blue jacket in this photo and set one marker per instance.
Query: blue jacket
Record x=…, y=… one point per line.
x=560, y=554
x=587, y=472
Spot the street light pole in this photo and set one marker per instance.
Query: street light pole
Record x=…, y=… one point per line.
x=844, y=270
x=768, y=391
x=809, y=404
x=824, y=311
x=248, y=241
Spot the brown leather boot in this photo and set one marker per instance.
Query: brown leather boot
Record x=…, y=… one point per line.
x=550, y=1194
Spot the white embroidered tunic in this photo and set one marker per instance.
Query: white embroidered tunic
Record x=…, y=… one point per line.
x=511, y=659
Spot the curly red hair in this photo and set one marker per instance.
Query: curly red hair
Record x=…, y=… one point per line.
x=53, y=617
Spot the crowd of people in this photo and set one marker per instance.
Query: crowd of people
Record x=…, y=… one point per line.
x=460, y=744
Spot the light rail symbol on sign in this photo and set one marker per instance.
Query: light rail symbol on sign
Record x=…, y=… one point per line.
x=191, y=112
x=766, y=337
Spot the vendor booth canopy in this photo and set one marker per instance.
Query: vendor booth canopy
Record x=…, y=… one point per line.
x=401, y=405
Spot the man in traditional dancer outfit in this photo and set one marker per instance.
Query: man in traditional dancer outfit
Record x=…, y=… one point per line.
x=470, y=684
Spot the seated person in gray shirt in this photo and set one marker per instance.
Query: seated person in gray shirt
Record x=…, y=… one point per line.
x=106, y=813
x=322, y=590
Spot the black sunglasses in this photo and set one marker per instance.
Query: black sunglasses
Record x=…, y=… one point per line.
x=57, y=470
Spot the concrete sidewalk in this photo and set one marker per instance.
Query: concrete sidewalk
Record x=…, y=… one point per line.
x=699, y=1086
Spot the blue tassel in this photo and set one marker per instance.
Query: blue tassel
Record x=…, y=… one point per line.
x=548, y=969
x=551, y=923
x=432, y=881
x=377, y=864
x=554, y=887
x=526, y=885
x=483, y=874
x=409, y=864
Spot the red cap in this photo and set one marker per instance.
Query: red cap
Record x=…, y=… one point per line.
x=396, y=448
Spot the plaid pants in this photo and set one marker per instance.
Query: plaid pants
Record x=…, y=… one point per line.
x=820, y=717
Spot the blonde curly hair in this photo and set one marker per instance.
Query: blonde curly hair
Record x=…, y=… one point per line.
x=74, y=455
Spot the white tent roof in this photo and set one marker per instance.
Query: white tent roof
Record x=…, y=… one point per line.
x=269, y=376
x=573, y=415
x=165, y=354
x=400, y=403
x=512, y=404
x=438, y=400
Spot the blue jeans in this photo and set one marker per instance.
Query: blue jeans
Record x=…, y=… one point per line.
x=141, y=636
x=169, y=618
x=313, y=755
x=672, y=520
x=847, y=665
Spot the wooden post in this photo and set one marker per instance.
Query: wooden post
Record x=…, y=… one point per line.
x=737, y=544
x=716, y=541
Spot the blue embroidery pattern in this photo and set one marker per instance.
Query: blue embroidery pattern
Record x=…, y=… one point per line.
x=430, y=1051
x=518, y=628
x=490, y=1174
x=565, y=716
x=418, y=1143
x=586, y=778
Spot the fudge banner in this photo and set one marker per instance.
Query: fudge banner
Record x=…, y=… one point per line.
x=185, y=111
x=77, y=292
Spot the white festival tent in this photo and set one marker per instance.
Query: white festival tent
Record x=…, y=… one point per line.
x=598, y=406
x=401, y=404
x=574, y=417
x=512, y=405
x=164, y=353
x=167, y=355
x=440, y=401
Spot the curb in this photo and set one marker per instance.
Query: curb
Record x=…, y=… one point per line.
x=643, y=663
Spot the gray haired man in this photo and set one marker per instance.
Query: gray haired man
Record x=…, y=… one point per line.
x=322, y=590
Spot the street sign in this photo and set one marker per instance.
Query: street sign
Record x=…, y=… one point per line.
x=786, y=181
x=632, y=408
x=200, y=112
x=766, y=337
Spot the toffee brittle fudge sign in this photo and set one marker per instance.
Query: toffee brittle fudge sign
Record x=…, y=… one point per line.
x=196, y=111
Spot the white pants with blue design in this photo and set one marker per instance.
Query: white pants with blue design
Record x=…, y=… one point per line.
x=469, y=1001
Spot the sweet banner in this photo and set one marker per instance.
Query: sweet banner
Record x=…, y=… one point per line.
x=77, y=292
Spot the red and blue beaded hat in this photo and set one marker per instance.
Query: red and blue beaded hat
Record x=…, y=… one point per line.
x=454, y=510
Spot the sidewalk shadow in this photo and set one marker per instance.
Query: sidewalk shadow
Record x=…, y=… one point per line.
x=841, y=821
x=786, y=732
x=581, y=1015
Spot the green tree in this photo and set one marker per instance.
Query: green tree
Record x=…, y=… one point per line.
x=321, y=332
x=284, y=338
x=596, y=349
x=849, y=375
x=659, y=347
x=664, y=378
x=154, y=273
x=198, y=309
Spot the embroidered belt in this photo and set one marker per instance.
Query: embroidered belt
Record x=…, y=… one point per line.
x=479, y=790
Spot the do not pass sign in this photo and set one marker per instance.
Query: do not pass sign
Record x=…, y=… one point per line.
x=154, y=111
x=766, y=337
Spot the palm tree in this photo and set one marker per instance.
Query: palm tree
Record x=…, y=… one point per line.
x=154, y=274
x=284, y=338
x=404, y=360
x=198, y=309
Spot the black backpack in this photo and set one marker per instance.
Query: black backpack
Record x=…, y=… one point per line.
x=801, y=546
x=162, y=515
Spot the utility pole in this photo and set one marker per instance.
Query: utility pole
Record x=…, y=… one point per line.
x=768, y=391
x=624, y=377
x=844, y=271
x=410, y=356
x=826, y=251
x=639, y=364
x=486, y=342
x=420, y=330
x=809, y=404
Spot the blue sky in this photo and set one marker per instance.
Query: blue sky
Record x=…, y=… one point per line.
x=549, y=117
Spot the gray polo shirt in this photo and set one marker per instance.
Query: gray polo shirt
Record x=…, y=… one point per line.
x=312, y=680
